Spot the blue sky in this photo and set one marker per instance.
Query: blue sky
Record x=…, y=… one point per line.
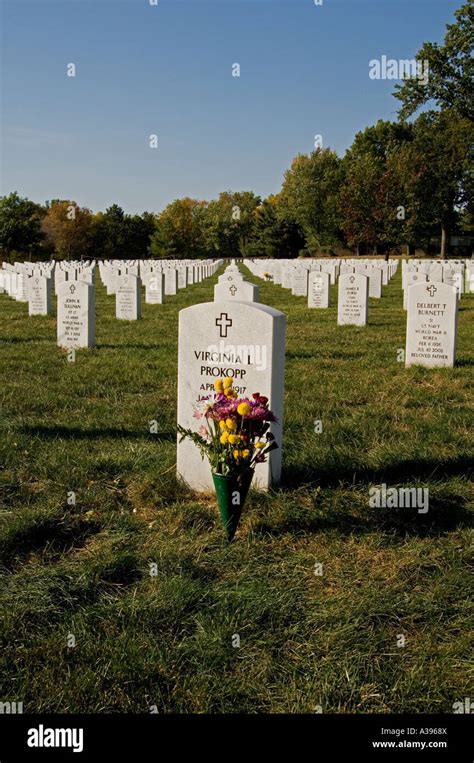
x=167, y=70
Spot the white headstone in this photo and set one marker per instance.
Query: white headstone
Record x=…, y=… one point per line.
x=39, y=295
x=110, y=278
x=76, y=314
x=154, y=288
x=299, y=282
x=87, y=276
x=239, y=339
x=454, y=278
x=469, y=283
x=318, y=289
x=128, y=297
x=435, y=273
x=375, y=282
x=229, y=277
x=287, y=277
x=353, y=299
x=59, y=277
x=431, y=325
x=412, y=278
x=236, y=291
x=347, y=267
x=22, y=288
x=14, y=285
x=329, y=267
x=171, y=281
x=276, y=272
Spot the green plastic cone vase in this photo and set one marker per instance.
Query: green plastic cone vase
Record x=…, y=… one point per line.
x=231, y=493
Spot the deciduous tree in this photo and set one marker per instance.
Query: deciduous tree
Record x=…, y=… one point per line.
x=309, y=196
x=451, y=71
x=20, y=224
x=70, y=228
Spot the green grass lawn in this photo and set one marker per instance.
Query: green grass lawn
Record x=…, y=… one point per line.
x=306, y=640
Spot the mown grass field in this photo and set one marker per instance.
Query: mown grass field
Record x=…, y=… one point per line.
x=306, y=640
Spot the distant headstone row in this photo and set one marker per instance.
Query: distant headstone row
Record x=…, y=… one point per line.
x=312, y=278
x=431, y=291
x=28, y=282
x=74, y=286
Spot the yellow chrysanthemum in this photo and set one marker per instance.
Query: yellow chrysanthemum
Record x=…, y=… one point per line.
x=259, y=445
x=222, y=424
x=224, y=438
x=234, y=439
x=246, y=453
x=236, y=454
x=228, y=382
x=244, y=409
x=231, y=424
x=218, y=386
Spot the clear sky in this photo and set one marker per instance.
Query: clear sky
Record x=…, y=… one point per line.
x=167, y=70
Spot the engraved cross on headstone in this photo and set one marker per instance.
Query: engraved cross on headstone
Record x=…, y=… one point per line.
x=223, y=322
x=432, y=290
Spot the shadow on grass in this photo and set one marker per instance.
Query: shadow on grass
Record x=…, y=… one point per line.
x=298, y=355
x=128, y=346
x=445, y=514
x=57, y=536
x=340, y=473
x=24, y=339
x=77, y=433
x=376, y=323
x=333, y=355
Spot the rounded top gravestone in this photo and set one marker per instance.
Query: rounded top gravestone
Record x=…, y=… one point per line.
x=431, y=325
x=318, y=289
x=76, y=314
x=243, y=340
x=353, y=299
x=235, y=291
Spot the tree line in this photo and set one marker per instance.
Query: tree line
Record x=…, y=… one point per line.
x=400, y=184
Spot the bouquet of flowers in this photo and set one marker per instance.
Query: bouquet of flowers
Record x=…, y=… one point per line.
x=234, y=437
